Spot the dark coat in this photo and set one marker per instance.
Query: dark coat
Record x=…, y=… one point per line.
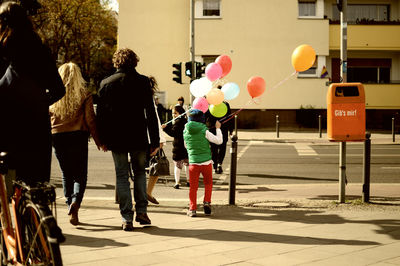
x=226, y=126
x=126, y=112
x=175, y=130
x=30, y=84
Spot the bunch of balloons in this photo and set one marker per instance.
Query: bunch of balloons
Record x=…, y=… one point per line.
x=208, y=97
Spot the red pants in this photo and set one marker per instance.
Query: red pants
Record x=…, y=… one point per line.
x=194, y=174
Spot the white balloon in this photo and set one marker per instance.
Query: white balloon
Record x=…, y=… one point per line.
x=200, y=87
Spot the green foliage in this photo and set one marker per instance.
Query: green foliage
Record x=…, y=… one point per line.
x=81, y=31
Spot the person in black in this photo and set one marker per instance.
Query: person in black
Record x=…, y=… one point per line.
x=179, y=152
x=127, y=125
x=218, y=151
x=161, y=111
x=29, y=85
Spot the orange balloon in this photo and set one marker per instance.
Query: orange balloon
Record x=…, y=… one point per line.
x=256, y=86
x=303, y=57
x=215, y=96
x=226, y=63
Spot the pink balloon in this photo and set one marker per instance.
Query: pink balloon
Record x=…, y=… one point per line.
x=213, y=71
x=226, y=63
x=201, y=104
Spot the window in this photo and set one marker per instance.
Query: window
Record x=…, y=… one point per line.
x=211, y=7
x=315, y=70
x=207, y=59
x=364, y=13
x=364, y=70
x=307, y=8
x=368, y=74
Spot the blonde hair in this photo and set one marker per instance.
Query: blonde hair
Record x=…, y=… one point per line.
x=75, y=90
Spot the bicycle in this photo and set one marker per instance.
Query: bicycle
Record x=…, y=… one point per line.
x=35, y=238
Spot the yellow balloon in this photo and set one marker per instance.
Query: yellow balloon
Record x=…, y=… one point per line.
x=218, y=110
x=215, y=96
x=303, y=57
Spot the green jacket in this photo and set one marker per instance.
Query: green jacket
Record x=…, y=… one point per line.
x=197, y=144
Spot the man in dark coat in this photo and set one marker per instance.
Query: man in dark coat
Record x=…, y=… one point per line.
x=128, y=125
x=218, y=151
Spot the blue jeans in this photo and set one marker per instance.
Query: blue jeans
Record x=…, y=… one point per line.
x=138, y=159
x=71, y=149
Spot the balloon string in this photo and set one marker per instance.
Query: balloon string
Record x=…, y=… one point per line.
x=229, y=117
x=283, y=81
x=170, y=121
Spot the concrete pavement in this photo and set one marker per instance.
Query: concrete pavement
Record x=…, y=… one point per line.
x=269, y=225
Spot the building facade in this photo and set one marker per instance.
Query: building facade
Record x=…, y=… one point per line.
x=259, y=36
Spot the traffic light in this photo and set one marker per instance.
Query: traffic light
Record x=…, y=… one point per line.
x=177, y=72
x=188, y=69
x=200, y=69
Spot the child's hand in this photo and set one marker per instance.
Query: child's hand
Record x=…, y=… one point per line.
x=217, y=124
x=154, y=151
x=163, y=125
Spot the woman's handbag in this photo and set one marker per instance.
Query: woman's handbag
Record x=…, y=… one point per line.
x=159, y=164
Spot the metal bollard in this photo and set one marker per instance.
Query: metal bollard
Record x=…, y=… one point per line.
x=320, y=126
x=232, y=180
x=277, y=126
x=393, y=130
x=366, y=167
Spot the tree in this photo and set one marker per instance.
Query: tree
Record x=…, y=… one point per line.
x=82, y=31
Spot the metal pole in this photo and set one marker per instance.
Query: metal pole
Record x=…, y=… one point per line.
x=343, y=43
x=393, y=130
x=319, y=126
x=342, y=172
x=366, y=167
x=232, y=180
x=277, y=126
x=192, y=50
x=343, y=72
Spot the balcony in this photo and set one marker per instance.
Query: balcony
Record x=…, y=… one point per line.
x=382, y=96
x=367, y=37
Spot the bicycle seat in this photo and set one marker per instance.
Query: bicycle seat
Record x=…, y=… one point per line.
x=3, y=162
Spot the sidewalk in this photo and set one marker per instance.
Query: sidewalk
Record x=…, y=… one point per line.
x=298, y=224
x=269, y=225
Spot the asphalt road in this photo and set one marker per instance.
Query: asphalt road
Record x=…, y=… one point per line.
x=259, y=162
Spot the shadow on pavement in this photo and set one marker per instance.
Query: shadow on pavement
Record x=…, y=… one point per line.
x=93, y=242
x=226, y=235
x=384, y=201
x=97, y=227
x=313, y=215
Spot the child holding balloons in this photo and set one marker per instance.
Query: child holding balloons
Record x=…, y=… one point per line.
x=197, y=138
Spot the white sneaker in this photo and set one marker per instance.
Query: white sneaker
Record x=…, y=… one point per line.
x=191, y=213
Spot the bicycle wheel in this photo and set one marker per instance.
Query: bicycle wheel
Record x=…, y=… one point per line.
x=40, y=243
x=3, y=250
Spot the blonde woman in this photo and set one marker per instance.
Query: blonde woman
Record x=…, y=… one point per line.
x=72, y=120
